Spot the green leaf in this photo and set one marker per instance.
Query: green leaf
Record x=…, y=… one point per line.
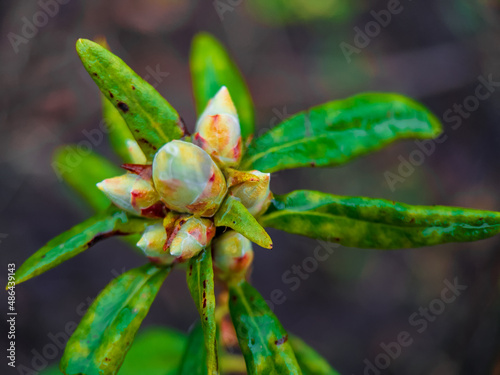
x=212, y=68
x=83, y=172
x=234, y=215
x=262, y=338
x=194, y=359
x=77, y=239
x=120, y=137
x=309, y=360
x=336, y=132
x=200, y=280
x=151, y=119
x=376, y=223
x=106, y=332
x=155, y=351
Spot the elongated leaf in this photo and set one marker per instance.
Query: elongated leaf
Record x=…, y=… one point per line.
x=336, y=132
x=120, y=137
x=262, y=338
x=194, y=360
x=155, y=351
x=234, y=215
x=212, y=68
x=106, y=332
x=83, y=171
x=309, y=360
x=150, y=117
x=77, y=239
x=377, y=223
x=200, y=280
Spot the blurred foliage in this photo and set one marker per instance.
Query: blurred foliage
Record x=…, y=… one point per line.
x=280, y=12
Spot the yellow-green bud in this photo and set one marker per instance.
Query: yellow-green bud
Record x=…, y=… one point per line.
x=187, y=179
x=132, y=193
x=233, y=255
x=254, y=194
x=218, y=130
x=153, y=242
x=190, y=236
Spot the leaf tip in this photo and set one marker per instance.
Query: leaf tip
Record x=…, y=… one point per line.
x=265, y=241
x=80, y=44
x=83, y=46
x=203, y=36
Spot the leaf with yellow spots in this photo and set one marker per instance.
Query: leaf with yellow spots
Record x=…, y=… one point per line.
x=151, y=119
x=376, y=223
x=106, y=332
x=262, y=338
x=336, y=132
x=68, y=244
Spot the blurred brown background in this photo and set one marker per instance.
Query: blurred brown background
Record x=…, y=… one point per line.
x=289, y=51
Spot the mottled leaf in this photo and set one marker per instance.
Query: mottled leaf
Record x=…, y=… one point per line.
x=120, y=137
x=194, y=360
x=212, y=68
x=309, y=360
x=376, y=223
x=262, y=338
x=155, y=351
x=151, y=119
x=234, y=215
x=200, y=280
x=106, y=332
x=83, y=171
x=77, y=239
x=336, y=132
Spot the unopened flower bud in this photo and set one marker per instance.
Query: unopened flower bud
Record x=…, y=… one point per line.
x=254, y=194
x=218, y=129
x=190, y=237
x=153, y=242
x=233, y=255
x=133, y=194
x=187, y=179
